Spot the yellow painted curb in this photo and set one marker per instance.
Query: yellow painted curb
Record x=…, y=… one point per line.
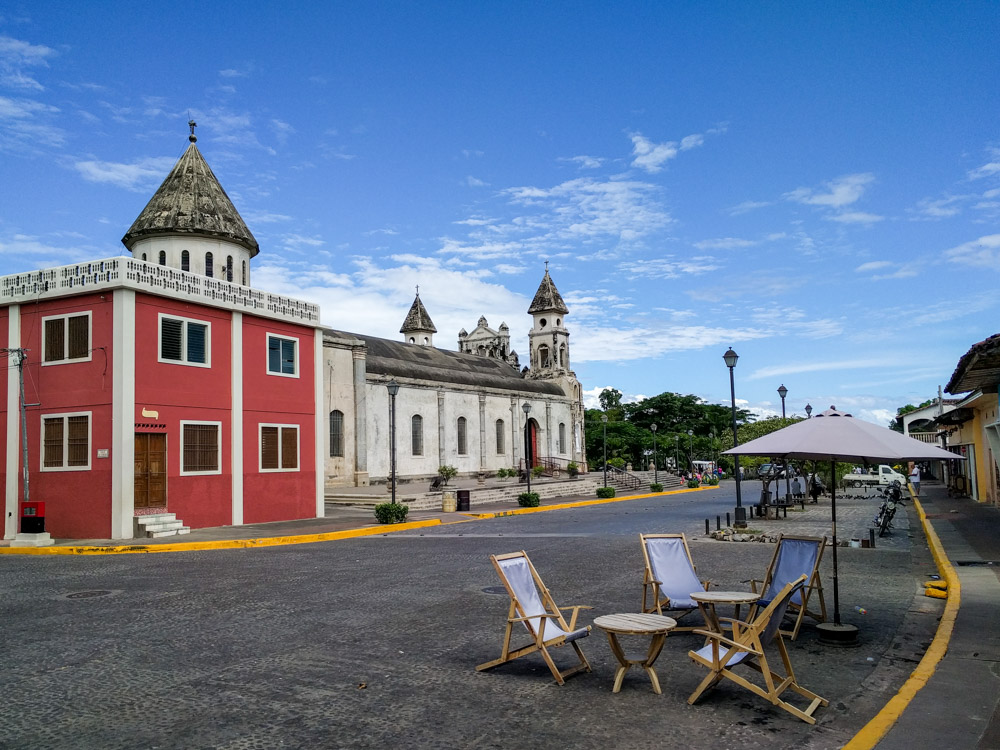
x=222, y=544
x=581, y=503
x=872, y=732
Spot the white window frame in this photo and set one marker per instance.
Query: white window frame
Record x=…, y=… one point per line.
x=66, y=359
x=218, y=460
x=260, y=447
x=41, y=442
x=184, y=333
x=267, y=353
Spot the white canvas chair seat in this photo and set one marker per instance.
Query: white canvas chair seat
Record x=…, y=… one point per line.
x=532, y=606
x=670, y=577
x=794, y=556
x=747, y=647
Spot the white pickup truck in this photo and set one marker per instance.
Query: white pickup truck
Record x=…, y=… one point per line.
x=883, y=475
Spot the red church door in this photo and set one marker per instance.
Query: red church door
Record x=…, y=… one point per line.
x=533, y=443
x=150, y=470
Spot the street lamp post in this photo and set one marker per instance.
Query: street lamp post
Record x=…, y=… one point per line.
x=677, y=463
x=782, y=391
x=691, y=449
x=604, y=427
x=526, y=408
x=393, y=387
x=652, y=428
x=730, y=358
x=711, y=452
x=809, y=411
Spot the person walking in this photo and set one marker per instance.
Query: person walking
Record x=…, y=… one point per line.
x=915, y=479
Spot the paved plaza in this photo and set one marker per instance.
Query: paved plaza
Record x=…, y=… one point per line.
x=373, y=641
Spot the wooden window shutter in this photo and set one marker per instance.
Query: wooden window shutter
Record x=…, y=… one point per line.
x=289, y=447
x=79, y=336
x=269, y=447
x=55, y=340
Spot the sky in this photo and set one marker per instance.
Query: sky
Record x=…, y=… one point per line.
x=816, y=185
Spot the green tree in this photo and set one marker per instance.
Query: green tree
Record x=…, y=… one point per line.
x=897, y=423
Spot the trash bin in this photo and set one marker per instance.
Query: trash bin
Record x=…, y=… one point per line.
x=463, y=500
x=32, y=518
x=448, y=501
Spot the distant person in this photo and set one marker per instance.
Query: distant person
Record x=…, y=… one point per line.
x=814, y=491
x=915, y=479
x=797, y=488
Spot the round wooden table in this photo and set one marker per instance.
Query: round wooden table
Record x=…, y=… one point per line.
x=707, y=601
x=655, y=626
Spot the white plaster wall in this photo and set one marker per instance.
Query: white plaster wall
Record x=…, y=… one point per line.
x=338, y=393
x=196, y=247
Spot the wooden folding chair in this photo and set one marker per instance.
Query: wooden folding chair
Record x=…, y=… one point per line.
x=532, y=605
x=793, y=556
x=670, y=577
x=747, y=646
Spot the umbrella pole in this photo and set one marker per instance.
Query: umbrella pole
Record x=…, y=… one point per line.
x=833, y=514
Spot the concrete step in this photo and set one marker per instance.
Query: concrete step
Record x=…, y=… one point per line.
x=165, y=526
x=160, y=525
x=169, y=532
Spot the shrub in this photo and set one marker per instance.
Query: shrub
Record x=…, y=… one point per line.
x=712, y=481
x=605, y=491
x=447, y=472
x=618, y=463
x=655, y=487
x=537, y=471
x=692, y=483
x=391, y=512
x=503, y=473
x=573, y=468
x=528, y=500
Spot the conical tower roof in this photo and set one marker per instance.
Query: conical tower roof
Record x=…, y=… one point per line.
x=417, y=319
x=191, y=201
x=547, y=298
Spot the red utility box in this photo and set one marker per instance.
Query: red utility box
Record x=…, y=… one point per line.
x=32, y=518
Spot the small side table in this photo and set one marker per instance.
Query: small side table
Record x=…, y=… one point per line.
x=655, y=626
x=707, y=601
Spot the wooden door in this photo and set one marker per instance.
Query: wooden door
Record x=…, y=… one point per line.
x=150, y=470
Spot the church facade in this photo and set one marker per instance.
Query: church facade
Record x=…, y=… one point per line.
x=164, y=383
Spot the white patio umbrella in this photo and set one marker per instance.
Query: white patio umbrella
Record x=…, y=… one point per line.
x=837, y=436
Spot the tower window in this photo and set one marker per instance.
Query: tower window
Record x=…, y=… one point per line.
x=543, y=356
x=417, y=435
x=501, y=447
x=208, y=264
x=542, y=323
x=463, y=446
x=561, y=447
x=229, y=268
x=244, y=273
x=163, y=258
x=336, y=433
x=185, y=260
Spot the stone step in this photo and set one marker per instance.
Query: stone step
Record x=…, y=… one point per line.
x=165, y=526
x=155, y=518
x=169, y=532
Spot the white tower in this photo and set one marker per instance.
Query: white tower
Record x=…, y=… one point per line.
x=548, y=338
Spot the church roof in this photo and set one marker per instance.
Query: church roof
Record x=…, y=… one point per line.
x=191, y=201
x=418, y=319
x=401, y=360
x=547, y=298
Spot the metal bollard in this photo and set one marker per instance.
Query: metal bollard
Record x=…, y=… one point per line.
x=871, y=538
x=707, y=528
x=727, y=519
x=784, y=509
x=718, y=523
x=751, y=511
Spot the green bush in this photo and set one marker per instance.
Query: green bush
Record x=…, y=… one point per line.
x=712, y=481
x=605, y=491
x=573, y=468
x=618, y=463
x=692, y=483
x=391, y=512
x=537, y=471
x=504, y=473
x=447, y=472
x=528, y=500
x=655, y=487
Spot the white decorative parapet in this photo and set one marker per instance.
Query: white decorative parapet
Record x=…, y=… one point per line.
x=129, y=273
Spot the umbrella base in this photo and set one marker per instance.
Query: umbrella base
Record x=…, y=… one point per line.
x=837, y=635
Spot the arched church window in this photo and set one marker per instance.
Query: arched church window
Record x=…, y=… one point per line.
x=229, y=269
x=244, y=273
x=543, y=322
x=185, y=260
x=562, y=356
x=426, y=341
x=163, y=258
x=501, y=447
x=412, y=340
x=543, y=356
x=144, y=257
x=417, y=435
x=561, y=447
x=209, y=262
x=336, y=433
x=463, y=446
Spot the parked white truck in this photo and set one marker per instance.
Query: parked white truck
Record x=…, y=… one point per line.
x=885, y=474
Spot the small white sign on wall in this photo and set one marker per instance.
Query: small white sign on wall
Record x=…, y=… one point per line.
x=102, y=452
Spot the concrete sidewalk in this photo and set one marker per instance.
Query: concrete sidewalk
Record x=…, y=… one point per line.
x=959, y=707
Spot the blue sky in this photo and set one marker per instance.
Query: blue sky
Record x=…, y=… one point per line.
x=816, y=185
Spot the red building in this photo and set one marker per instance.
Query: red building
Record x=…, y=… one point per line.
x=157, y=384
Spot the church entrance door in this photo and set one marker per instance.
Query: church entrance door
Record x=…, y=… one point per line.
x=532, y=443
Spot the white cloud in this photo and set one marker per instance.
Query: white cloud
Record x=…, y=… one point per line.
x=940, y=208
x=894, y=359
x=747, y=206
x=609, y=344
x=651, y=156
x=691, y=141
x=837, y=193
x=855, y=217
x=138, y=176
x=986, y=170
x=23, y=123
x=874, y=265
x=15, y=57
x=584, y=162
x=667, y=268
x=984, y=252
x=475, y=182
x=724, y=243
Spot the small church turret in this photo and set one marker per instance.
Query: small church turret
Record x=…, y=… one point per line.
x=548, y=338
x=418, y=328
x=191, y=224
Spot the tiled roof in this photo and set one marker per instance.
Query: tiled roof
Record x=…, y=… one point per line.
x=979, y=368
x=418, y=319
x=547, y=298
x=191, y=201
